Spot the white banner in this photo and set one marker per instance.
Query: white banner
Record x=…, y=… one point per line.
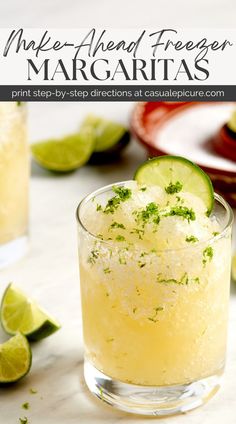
x=158, y=56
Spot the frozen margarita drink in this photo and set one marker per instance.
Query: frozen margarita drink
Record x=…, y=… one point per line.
x=154, y=270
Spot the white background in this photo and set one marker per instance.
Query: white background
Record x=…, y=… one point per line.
x=49, y=272
x=118, y=14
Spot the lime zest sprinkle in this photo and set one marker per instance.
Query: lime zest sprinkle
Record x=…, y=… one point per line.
x=98, y=207
x=25, y=405
x=23, y=420
x=156, y=310
x=120, y=238
x=184, y=280
x=122, y=194
x=196, y=280
x=117, y=225
x=179, y=199
x=112, y=205
x=134, y=310
x=191, y=239
x=174, y=188
x=182, y=211
x=106, y=270
x=148, y=215
x=110, y=339
x=33, y=391
x=94, y=254
x=207, y=255
x=143, y=189
x=215, y=233
x=139, y=232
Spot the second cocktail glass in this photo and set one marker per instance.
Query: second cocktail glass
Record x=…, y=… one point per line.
x=14, y=181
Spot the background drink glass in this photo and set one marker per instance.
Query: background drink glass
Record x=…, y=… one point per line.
x=154, y=323
x=14, y=179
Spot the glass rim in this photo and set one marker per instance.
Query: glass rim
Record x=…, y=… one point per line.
x=218, y=197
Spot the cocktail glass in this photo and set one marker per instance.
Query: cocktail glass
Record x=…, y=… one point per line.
x=14, y=179
x=154, y=323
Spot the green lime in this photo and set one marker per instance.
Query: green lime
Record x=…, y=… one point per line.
x=232, y=122
x=15, y=359
x=175, y=174
x=234, y=267
x=66, y=154
x=110, y=137
x=21, y=314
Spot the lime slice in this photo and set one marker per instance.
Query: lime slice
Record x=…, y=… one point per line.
x=175, y=174
x=107, y=133
x=66, y=154
x=234, y=267
x=15, y=359
x=21, y=314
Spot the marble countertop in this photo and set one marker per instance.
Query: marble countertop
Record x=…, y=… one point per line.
x=49, y=272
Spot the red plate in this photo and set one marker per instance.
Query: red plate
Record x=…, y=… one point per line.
x=188, y=129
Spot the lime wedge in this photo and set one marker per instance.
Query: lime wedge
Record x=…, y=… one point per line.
x=21, y=314
x=175, y=174
x=15, y=359
x=66, y=154
x=107, y=133
x=232, y=122
x=234, y=267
